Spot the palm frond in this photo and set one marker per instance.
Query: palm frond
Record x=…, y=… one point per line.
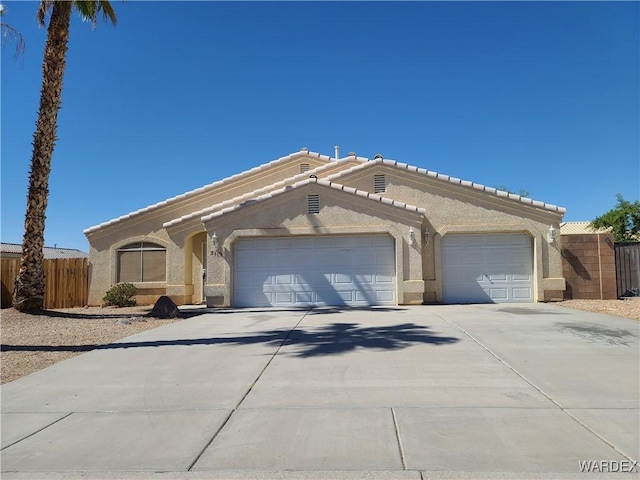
x=43, y=9
x=10, y=33
x=89, y=10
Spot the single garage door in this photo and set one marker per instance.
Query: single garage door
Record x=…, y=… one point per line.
x=487, y=268
x=303, y=271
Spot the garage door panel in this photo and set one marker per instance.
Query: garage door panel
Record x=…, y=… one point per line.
x=357, y=270
x=364, y=278
x=303, y=297
x=487, y=268
x=498, y=294
x=284, y=279
x=343, y=278
x=498, y=277
x=283, y=298
x=384, y=296
x=521, y=278
x=384, y=278
x=521, y=293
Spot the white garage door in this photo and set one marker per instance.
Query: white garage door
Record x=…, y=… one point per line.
x=303, y=271
x=487, y=268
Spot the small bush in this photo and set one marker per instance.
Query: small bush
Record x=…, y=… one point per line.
x=121, y=295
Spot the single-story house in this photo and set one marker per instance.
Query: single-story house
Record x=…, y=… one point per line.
x=310, y=229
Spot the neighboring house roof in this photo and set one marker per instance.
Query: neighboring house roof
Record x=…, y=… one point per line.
x=580, y=228
x=371, y=196
x=219, y=183
x=49, y=252
x=454, y=180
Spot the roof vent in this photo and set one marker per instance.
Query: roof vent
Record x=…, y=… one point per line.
x=304, y=149
x=313, y=204
x=377, y=156
x=336, y=149
x=352, y=154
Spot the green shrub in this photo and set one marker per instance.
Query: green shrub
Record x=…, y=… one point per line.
x=121, y=295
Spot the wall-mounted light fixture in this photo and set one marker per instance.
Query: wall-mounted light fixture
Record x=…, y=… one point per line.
x=215, y=244
x=426, y=237
x=551, y=234
x=412, y=236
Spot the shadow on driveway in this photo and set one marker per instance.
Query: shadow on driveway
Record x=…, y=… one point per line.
x=330, y=339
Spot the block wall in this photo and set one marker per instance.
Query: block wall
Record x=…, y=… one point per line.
x=588, y=264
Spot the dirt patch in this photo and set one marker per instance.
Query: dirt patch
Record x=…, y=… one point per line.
x=627, y=308
x=31, y=342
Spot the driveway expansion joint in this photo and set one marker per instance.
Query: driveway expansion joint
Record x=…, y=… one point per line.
x=37, y=431
x=397, y=431
x=253, y=384
x=542, y=392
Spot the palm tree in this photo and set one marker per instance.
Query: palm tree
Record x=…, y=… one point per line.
x=28, y=294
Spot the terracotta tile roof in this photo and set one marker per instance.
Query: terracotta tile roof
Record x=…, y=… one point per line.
x=366, y=163
x=579, y=228
x=219, y=210
x=49, y=252
x=258, y=192
x=197, y=191
x=454, y=180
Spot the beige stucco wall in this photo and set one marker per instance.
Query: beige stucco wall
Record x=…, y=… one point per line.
x=147, y=226
x=340, y=214
x=450, y=209
x=456, y=209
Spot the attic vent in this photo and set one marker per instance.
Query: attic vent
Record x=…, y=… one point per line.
x=379, y=184
x=304, y=167
x=313, y=203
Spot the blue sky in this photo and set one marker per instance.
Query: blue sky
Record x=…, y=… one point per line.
x=542, y=96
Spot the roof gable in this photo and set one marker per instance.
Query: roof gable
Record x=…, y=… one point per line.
x=220, y=210
x=234, y=179
x=451, y=180
x=256, y=193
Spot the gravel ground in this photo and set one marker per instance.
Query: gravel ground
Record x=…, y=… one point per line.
x=627, y=308
x=33, y=342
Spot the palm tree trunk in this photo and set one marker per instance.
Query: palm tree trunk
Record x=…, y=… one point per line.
x=29, y=284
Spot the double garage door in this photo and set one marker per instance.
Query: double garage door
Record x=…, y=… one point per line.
x=304, y=271
x=487, y=268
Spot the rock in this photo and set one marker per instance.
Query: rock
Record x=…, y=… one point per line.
x=123, y=321
x=164, y=308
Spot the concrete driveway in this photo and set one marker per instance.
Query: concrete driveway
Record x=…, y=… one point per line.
x=476, y=391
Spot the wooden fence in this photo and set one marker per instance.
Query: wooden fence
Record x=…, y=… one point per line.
x=627, y=268
x=66, y=281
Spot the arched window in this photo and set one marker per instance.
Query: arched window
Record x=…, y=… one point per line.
x=142, y=262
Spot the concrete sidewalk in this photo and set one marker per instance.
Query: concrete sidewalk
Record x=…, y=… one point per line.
x=483, y=391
